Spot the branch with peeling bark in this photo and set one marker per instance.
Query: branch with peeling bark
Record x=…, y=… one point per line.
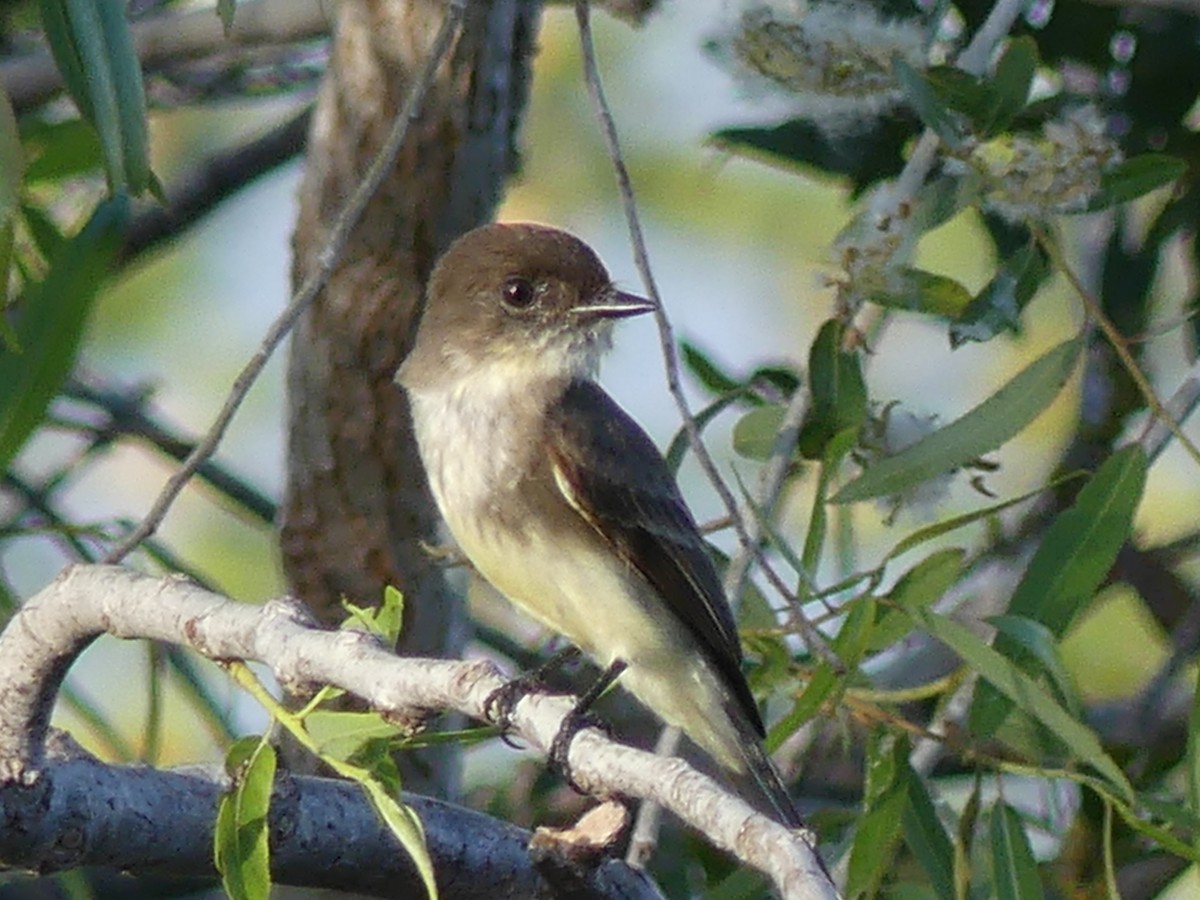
x=57, y=624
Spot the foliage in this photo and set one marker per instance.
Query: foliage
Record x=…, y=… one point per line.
x=990, y=775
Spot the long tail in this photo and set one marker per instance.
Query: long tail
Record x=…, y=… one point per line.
x=766, y=775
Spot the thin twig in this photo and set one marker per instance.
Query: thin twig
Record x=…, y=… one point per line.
x=591, y=74
x=1095, y=311
x=127, y=416
x=1181, y=404
x=380, y=167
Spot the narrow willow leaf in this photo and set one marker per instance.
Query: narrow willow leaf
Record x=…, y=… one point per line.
x=1193, y=754
x=1014, y=870
x=1038, y=640
x=839, y=394
x=403, y=823
x=999, y=305
x=1008, y=90
x=679, y=443
x=87, y=37
x=1029, y=696
x=959, y=91
x=49, y=323
x=1068, y=567
x=815, y=694
x=881, y=822
x=242, y=850
x=989, y=425
x=12, y=169
x=1081, y=545
x=927, y=103
x=1135, y=178
x=818, y=521
x=918, y=588
x=926, y=836
x=129, y=91
x=60, y=37
x=929, y=532
x=716, y=380
x=925, y=292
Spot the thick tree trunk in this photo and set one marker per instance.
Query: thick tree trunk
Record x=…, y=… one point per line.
x=357, y=506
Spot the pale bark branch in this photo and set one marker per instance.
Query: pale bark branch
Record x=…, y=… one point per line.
x=54, y=626
x=171, y=37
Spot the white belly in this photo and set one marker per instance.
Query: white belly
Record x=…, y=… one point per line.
x=564, y=577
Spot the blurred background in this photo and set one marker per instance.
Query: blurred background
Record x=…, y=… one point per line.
x=741, y=251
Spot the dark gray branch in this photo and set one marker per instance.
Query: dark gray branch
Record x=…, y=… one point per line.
x=323, y=834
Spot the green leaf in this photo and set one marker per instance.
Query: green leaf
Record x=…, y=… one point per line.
x=926, y=292
x=879, y=826
x=707, y=372
x=864, y=157
x=129, y=91
x=989, y=425
x=999, y=305
x=1038, y=640
x=679, y=443
x=959, y=91
x=1135, y=178
x=1193, y=754
x=928, y=103
x=49, y=324
x=62, y=149
x=926, y=836
x=241, y=838
x=402, y=822
x=929, y=532
x=1014, y=870
x=92, y=43
x=1028, y=695
x=60, y=37
x=12, y=168
x=87, y=38
x=1081, y=545
x=1008, y=90
x=226, y=9
x=920, y=587
x=839, y=394
x=341, y=734
x=814, y=541
x=818, y=690
x=384, y=621
x=755, y=433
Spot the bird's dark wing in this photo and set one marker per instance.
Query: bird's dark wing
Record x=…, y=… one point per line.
x=609, y=470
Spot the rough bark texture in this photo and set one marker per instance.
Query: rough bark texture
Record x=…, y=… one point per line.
x=357, y=506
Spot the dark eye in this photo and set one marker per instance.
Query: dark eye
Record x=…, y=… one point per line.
x=518, y=293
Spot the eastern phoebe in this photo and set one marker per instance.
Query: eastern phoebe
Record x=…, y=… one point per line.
x=556, y=495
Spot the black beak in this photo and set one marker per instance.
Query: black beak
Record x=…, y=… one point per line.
x=614, y=304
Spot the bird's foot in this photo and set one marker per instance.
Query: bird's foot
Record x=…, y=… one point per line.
x=576, y=721
x=502, y=702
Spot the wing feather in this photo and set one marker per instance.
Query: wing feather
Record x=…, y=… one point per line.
x=611, y=473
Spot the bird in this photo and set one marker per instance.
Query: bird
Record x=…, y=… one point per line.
x=558, y=498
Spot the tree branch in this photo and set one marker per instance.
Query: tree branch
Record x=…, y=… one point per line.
x=53, y=627
x=165, y=39
x=323, y=832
